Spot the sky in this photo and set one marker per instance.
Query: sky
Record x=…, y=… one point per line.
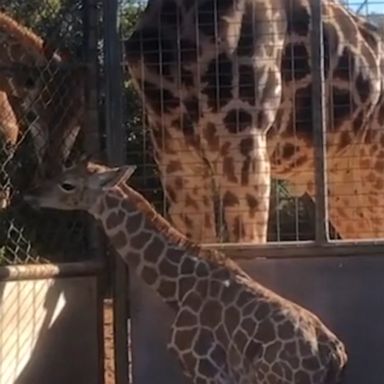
x=367, y=6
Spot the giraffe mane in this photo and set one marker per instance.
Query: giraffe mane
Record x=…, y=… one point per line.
x=163, y=226
x=212, y=256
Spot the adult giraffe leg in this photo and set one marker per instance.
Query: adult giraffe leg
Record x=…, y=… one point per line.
x=189, y=195
x=245, y=196
x=246, y=176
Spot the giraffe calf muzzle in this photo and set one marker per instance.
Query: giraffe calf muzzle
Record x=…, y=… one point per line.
x=32, y=200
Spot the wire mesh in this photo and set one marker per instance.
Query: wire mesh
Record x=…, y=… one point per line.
x=140, y=149
x=355, y=94
x=191, y=78
x=42, y=112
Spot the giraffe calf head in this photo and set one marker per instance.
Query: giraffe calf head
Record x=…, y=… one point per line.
x=79, y=187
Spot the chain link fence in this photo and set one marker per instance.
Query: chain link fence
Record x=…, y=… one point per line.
x=42, y=118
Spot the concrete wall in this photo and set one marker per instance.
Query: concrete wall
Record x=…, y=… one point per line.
x=345, y=292
x=48, y=331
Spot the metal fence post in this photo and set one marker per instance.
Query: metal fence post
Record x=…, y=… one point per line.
x=318, y=123
x=115, y=139
x=92, y=146
x=91, y=38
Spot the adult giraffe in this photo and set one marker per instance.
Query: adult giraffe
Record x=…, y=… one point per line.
x=40, y=94
x=221, y=79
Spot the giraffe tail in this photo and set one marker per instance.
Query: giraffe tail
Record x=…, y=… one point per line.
x=337, y=372
x=337, y=364
x=341, y=377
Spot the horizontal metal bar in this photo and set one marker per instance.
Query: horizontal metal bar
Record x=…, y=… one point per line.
x=307, y=249
x=235, y=251
x=41, y=68
x=48, y=271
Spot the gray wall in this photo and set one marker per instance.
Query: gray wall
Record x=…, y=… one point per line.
x=346, y=293
x=48, y=331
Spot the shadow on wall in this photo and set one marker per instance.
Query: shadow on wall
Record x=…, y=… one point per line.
x=51, y=331
x=345, y=292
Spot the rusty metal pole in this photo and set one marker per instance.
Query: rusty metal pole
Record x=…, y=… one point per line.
x=116, y=151
x=318, y=123
x=92, y=146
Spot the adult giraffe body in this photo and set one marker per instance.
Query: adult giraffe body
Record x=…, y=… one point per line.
x=227, y=90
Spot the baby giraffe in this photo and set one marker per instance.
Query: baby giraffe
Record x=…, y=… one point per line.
x=228, y=329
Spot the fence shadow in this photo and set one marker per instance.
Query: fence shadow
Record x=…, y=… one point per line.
x=66, y=347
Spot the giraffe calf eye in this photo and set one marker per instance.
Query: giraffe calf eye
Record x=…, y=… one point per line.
x=67, y=187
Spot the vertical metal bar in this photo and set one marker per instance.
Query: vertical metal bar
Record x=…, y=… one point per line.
x=90, y=19
x=318, y=122
x=362, y=5
x=116, y=151
x=92, y=146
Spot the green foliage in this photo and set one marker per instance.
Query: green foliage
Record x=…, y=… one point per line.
x=139, y=148
x=56, y=21
x=130, y=11
x=34, y=13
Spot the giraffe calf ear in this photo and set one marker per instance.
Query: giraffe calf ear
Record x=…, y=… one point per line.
x=123, y=174
x=112, y=177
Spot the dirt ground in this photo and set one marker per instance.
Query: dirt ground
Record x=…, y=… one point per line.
x=108, y=344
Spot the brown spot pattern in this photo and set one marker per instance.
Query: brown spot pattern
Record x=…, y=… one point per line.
x=149, y=275
x=253, y=204
x=174, y=166
x=230, y=200
x=210, y=135
x=229, y=169
x=154, y=249
x=139, y=241
x=166, y=268
x=211, y=314
x=119, y=240
x=238, y=228
x=133, y=223
x=114, y=219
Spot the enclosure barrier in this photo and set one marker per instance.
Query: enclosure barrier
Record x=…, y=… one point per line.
x=335, y=276
x=52, y=268
x=57, y=306
x=116, y=150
